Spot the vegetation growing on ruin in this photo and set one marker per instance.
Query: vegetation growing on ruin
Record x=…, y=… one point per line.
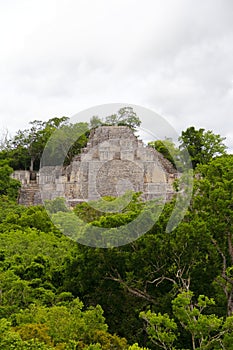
x=163, y=291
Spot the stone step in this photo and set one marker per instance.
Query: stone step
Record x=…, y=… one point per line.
x=30, y=195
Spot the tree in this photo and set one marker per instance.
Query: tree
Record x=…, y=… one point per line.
x=108, y=341
x=213, y=194
x=168, y=149
x=161, y=329
x=95, y=121
x=125, y=116
x=65, y=143
x=56, y=205
x=63, y=322
x=202, y=145
x=30, y=143
x=8, y=186
x=34, y=331
x=206, y=331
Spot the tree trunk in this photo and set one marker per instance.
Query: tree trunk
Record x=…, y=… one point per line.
x=32, y=164
x=230, y=304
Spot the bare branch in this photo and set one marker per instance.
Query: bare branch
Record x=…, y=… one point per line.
x=135, y=291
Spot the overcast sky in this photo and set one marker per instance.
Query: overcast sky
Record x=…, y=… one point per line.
x=174, y=57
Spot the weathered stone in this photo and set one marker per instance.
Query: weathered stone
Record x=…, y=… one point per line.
x=113, y=161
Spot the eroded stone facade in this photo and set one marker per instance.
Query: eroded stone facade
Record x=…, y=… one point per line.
x=114, y=161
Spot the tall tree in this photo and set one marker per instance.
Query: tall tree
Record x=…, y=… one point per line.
x=31, y=142
x=66, y=142
x=205, y=330
x=213, y=194
x=202, y=145
x=125, y=116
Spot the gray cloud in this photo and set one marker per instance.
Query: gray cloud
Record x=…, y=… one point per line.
x=174, y=57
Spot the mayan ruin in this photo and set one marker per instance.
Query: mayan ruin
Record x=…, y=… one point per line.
x=113, y=161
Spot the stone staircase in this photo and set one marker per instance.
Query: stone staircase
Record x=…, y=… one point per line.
x=30, y=194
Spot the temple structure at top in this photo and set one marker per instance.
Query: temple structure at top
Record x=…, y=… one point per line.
x=113, y=161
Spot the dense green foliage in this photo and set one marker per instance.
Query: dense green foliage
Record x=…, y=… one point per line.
x=199, y=145
x=163, y=291
x=61, y=138
x=8, y=186
x=167, y=149
x=202, y=145
x=25, y=149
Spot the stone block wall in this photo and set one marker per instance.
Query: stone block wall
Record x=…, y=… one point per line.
x=113, y=161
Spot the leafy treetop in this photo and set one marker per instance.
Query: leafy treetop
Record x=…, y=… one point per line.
x=202, y=145
x=125, y=116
